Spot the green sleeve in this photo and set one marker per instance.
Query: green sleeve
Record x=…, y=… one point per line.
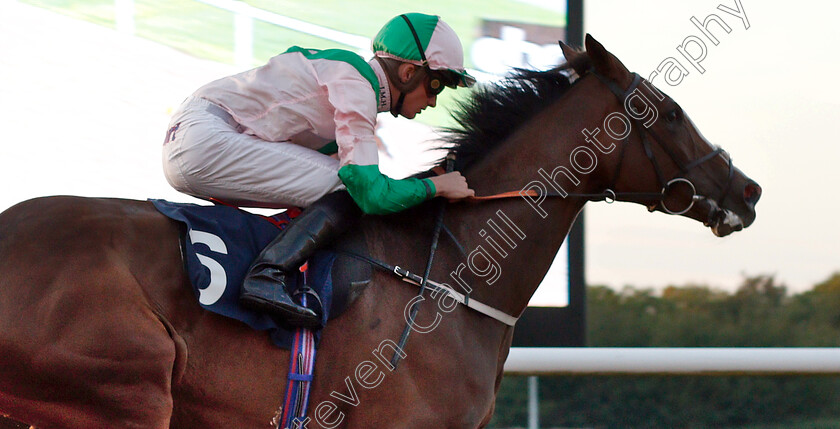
x=376, y=193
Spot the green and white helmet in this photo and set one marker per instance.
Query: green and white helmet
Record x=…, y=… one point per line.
x=424, y=40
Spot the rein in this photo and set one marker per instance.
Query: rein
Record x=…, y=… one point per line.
x=608, y=195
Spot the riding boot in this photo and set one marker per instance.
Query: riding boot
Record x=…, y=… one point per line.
x=264, y=288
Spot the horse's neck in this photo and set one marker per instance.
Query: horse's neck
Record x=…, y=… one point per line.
x=522, y=241
x=509, y=249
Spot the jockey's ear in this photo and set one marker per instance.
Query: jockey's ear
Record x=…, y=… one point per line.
x=406, y=72
x=606, y=63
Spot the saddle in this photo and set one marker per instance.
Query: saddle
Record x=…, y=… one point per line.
x=219, y=243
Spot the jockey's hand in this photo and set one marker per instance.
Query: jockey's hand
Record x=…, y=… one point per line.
x=452, y=186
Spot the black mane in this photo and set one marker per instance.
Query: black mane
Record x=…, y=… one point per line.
x=494, y=111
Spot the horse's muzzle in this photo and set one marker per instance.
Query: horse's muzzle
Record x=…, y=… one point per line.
x=724, y=221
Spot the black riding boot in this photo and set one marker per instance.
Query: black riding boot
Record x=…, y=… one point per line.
x=264, y=288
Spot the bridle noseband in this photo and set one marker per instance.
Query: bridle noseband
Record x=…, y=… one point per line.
x=665, y=185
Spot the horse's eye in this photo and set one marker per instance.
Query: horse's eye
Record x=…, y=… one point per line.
x=674, y=115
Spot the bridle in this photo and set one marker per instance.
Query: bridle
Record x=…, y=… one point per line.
x=610, y=194
x=684, y=169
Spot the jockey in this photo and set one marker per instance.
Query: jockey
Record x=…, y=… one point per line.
x=299, y=131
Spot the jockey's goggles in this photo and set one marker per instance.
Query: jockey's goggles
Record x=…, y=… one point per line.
x=434, y=83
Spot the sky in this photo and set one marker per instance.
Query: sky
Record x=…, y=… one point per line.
x=85, y=114
x=767, y=97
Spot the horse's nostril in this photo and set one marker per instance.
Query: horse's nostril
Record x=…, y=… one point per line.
x=752, y=192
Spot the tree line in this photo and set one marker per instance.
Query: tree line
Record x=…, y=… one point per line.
x=760, y=313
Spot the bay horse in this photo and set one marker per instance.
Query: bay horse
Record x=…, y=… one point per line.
x=100, y=329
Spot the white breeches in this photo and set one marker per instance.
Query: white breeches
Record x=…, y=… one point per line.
x=207, y=156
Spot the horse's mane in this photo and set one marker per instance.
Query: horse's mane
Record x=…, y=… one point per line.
x=494, y=111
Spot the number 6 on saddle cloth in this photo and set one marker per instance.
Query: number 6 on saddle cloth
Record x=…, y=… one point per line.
x=220, y=242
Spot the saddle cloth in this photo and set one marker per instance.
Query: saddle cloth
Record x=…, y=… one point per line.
x=220, y=243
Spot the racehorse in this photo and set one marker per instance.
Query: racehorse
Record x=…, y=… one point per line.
x=100, y=329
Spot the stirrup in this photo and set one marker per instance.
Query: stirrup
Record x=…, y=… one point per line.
x=317, y=306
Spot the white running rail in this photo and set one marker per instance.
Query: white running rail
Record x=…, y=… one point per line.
x=243, y=28
x=673, y=361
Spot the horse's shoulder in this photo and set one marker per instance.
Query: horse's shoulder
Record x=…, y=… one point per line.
x=399, y=226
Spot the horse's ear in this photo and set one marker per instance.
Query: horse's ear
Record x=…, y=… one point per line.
x=576, y=59
x=603, y=61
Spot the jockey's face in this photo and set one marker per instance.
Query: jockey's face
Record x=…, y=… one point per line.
x=417, y=100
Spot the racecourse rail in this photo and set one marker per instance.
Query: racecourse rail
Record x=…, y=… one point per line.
x=243, y=30
x=673, y=361
x=244, y=14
